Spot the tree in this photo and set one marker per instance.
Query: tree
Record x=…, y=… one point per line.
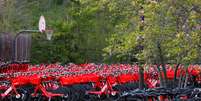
x=170, y=24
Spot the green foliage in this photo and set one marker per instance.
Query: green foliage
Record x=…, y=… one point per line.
x=168, y=23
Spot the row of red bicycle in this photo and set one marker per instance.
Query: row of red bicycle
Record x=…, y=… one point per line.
x=75, y=82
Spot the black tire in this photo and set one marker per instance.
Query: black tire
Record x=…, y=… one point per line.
x=114, y=97
x=79, y=92
x=132, y=98
x=23, y=95
x=67, y=94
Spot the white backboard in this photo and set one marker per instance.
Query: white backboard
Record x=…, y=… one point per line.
x=42, y=24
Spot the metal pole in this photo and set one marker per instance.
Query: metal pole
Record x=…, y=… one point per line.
x=29, y=31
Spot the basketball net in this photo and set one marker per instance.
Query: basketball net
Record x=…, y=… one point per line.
x=49, y=34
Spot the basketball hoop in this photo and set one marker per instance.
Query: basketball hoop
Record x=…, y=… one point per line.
x=42, y=28
x=49, y=33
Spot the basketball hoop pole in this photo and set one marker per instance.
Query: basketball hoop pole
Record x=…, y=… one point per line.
x=27, y=34
x=29, y=31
